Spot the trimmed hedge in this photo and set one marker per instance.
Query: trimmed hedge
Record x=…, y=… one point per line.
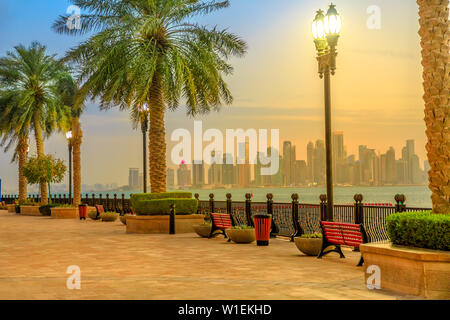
x=155, y=196
x=420, y=229
x=46, y=209
x=162, y=206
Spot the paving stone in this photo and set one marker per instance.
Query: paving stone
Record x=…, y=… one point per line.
x=36, y=251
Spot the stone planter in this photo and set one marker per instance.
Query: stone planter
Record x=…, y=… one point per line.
x=30, y=211
x=11, y=208
x=160, y=224
x=202, y=230
x=65, y=213
x=413, y=271
x=241, y=235
x=309, y=246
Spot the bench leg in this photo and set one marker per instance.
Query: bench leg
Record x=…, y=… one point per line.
x=361, y=261
x=338, y=250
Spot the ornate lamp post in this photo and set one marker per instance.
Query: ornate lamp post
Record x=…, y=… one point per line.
x=326, y=29
x=69, y=139
x=143, y=111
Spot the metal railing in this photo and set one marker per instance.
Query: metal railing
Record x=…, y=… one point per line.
x=288, y=219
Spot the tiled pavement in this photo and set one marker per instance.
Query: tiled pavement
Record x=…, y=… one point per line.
x=36, y=251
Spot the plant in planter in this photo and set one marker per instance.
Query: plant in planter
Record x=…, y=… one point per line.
x=420, y=229
x=45, y=210
x=419, y=252
x=64, y=211
x=109, y=216
x=241, y=234
x=93, y=215
x=309, y=244
x=203, y=230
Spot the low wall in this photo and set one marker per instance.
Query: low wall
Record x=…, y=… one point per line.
x=160, y=224
x=413, y=271
x=30, y=211
x=65, y=213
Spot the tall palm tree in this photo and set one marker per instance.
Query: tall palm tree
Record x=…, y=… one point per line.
x=12, y=133
x=31, y=77
x=149, y=51
x=68, y=89
x=435, y=35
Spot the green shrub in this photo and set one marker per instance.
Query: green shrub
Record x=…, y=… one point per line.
x=162, y=206
x=46, y=209
x=419, y=229
x=17, y=208
x=315, y=235
x=109, y=216
x=242, y=227
x=135, y=198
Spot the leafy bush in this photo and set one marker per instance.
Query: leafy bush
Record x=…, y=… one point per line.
x=162, y=206
x=242, y=228
x=28, y=202
x=135, y=198
x=315, y=235
x=46, y=209
x=419, y=229
x=17, y=208
x=36, y=170
x=109, y=216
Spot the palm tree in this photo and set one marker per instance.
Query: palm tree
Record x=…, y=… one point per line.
x=12, y=134
x=148, y=51
x=435, y=35
x=30, y=78
x=68, y=89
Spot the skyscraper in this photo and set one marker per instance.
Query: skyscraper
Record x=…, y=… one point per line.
x=133, y=178
x=170, y=178
x=198, y=174
x=310, y=161
x=390, y=166
x=228, y=170
x=183, y=175
x=288, y=164
x=214, y=172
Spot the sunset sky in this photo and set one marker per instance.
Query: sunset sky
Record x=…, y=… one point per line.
x=376, y=92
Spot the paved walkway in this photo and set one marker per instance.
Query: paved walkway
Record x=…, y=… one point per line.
x=36, y=251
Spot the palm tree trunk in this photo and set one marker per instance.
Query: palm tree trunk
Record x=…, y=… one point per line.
x=77, y=135
x=40, y=154
x=157, y=137
x=22, y=150
x=435, y=42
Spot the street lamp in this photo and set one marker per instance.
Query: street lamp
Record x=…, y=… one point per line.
x=143, y=110
x=326, y=30
x=69, y=139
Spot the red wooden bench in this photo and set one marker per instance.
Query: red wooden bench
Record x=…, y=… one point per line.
x=337, y=234
x=220, y=221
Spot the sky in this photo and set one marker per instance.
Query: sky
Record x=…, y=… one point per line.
x=376, y=92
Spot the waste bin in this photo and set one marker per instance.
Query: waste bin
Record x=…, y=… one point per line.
x=262, y=228
x=82, y=211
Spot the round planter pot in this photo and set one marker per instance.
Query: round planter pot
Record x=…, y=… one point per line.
x=309, y=246
x=241, y=236
x=202, y=230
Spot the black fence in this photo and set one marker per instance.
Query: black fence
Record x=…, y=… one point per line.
x=288, y=219
x=112, y=204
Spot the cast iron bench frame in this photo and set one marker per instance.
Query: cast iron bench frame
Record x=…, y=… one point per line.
x=337, y=234
x=220, y=221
